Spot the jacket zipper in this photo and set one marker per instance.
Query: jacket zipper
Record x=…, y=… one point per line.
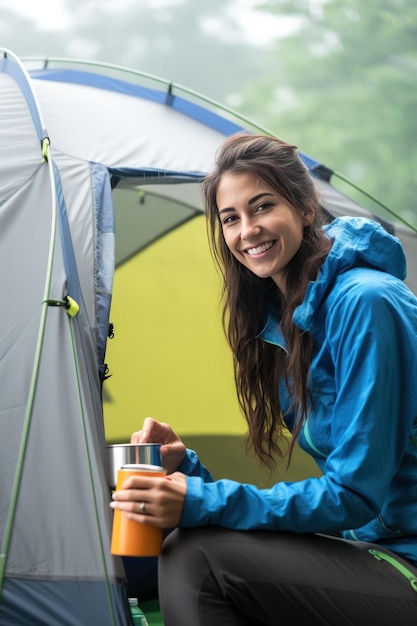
x=381, y=556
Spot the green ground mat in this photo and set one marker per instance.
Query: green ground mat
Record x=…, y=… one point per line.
x=152, y=612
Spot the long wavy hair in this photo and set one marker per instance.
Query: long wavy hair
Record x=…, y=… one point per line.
x=260, y=368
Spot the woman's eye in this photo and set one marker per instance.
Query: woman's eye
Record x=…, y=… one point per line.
x=229, y=219
x=262, y=207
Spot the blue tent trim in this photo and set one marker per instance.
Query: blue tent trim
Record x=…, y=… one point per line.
x=166, y=98
x=9, y=66
x=154, y=175
x=190, y=109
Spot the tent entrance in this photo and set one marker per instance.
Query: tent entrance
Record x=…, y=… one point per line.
x=143, y=214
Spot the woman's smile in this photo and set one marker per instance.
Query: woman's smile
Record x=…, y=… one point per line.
x=261, y=248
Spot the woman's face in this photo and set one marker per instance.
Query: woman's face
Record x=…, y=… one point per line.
x=261, y=229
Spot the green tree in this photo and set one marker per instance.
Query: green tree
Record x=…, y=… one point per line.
x=342, y=87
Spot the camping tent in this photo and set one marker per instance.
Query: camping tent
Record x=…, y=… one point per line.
x=100, y=168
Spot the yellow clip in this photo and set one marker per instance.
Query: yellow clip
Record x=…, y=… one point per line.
x=72, y=307
x=45, y=146
x=141, y=194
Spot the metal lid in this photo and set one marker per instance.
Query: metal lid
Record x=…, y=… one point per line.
x=142, y=466
x=132, y=445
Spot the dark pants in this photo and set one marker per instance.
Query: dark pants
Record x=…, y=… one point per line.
x=142, y=577
x=212, y=576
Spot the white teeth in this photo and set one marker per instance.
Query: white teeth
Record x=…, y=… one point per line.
x=262, y=248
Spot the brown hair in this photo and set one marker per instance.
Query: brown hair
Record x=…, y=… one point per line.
x=259, y=367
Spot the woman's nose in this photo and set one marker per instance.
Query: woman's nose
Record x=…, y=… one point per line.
x=249, y=229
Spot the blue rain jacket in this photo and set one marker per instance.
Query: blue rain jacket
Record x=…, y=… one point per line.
x=362, y=430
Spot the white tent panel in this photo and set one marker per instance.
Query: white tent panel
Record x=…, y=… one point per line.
x=122, y=130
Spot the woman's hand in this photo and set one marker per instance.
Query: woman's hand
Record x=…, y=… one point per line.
x=163, y=499
x=172, y=448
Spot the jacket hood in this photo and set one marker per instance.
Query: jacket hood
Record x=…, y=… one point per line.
x=357, y=242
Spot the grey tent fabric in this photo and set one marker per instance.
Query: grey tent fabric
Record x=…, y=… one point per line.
x=55, y=521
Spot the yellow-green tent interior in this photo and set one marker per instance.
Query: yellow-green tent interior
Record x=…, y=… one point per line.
x=169, y=358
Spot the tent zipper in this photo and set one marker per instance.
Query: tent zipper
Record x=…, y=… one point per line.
x=381, y=556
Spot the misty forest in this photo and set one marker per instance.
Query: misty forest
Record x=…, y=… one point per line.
x=338, y=79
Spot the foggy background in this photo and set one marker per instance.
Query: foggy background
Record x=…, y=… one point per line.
x=335, y=77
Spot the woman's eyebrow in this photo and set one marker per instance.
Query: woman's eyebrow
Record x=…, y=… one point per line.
x=259, y=196
x=226, y=210
x=251, y=201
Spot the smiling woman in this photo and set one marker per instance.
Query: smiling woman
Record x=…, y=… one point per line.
x=323, y=332
x=250, y=169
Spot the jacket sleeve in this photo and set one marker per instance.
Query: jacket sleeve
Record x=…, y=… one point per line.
x=192, y=466
x=370, y=421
